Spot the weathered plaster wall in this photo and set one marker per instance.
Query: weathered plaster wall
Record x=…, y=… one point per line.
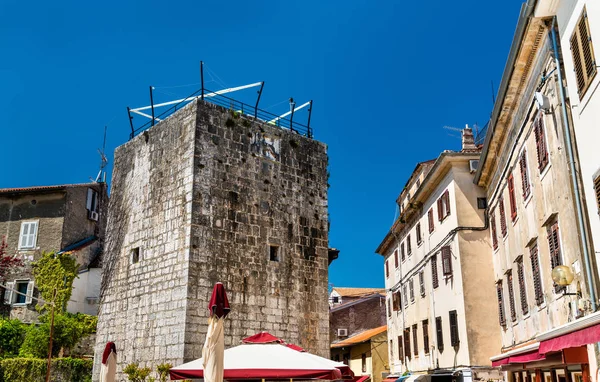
x=367, y=314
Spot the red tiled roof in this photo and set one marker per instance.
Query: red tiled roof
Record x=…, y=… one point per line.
x=360, y=337
x=357, y=292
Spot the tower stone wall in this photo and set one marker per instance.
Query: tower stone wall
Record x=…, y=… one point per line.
x=205, y=196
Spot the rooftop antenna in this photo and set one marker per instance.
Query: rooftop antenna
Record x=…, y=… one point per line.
x=101, y=177
x=453, y=129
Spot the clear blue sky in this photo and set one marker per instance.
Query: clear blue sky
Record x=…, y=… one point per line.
x=385, y=78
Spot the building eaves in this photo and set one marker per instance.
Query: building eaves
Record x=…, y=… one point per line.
x=41, y=189
x=356, y=292
x=356, y=302
x=415, y=173
x=360, y=337
x=526, y=13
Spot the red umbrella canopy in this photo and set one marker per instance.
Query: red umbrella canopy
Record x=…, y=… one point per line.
x=295, y=347
x=262, y=338
x=219, y=305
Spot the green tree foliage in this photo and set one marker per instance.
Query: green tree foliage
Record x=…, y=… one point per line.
x=69, y=329
x=163, y=371
x=12, y=334
x=52, y=271
x=34, y=370
x=135, y=373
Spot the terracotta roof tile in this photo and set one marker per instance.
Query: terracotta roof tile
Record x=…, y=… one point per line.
x=357, y=292
x=360, y=337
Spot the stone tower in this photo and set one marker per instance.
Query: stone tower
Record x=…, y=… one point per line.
x=204, y=196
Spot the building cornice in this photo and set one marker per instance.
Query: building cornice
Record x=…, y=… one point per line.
x=524, y=349
x=582, y=323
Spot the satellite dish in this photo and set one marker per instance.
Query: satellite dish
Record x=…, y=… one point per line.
x=541, y=101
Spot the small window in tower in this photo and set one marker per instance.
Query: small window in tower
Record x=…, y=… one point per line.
x=481, y=203
x=135, y=255
x=274, y=253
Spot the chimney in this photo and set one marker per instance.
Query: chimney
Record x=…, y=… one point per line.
x=468, y=141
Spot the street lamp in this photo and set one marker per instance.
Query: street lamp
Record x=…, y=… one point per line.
x=563, y=276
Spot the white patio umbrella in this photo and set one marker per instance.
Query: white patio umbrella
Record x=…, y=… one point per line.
x=108, y=368
x=263, y=356
x=214, y=345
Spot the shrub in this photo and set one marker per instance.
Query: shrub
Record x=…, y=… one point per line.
x=12, y=335
x=34, y=370
x=163, y=371
x=135, y=373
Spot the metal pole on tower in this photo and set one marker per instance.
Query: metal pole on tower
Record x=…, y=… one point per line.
x=152, y=105
x=202, y=79
x=262, y=85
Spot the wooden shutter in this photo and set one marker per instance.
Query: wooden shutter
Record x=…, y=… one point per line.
x=407, y=343
x=418, y=232
x=389, y=304
x=522, y=290
x=387, y=269
x=554, y=244
x=540, y=142
x=395, y=301
x=440, y=209
x=422, y=283
x=8, y=293
x=90, y=197
x=511, y=296
x=411, y=287
x=511, y=197
x=439, y=334
x=402, y=252
x=404, y=296
x=597, y=190
x=426, y=336
x=431, y=223
x=29, y=297
x=400, y=349
x=434, y=272
x=446, y=261
x=524, y=175
x=396, y=258
x=582, y=50
x=454, y=339
x=408, y=245
x=501, y=316
x=502, y=217
x=535, y=270
x=447, y=200
x=415, y=333
x=493, y=225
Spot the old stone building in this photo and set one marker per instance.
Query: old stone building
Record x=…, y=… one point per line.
x=204, y=196
x=67, y=218
x=343, y=295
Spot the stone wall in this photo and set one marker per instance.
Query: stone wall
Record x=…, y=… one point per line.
x=208, y=196
x=358, y=317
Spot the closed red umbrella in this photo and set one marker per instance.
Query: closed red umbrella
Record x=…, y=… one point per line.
x=214, y=345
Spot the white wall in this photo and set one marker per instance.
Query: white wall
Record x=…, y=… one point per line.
x=86, y=285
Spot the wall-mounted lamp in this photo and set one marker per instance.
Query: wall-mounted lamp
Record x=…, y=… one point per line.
x=563, y=275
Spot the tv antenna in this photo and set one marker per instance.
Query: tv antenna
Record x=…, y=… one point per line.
x=453, y=129
x=101, y=177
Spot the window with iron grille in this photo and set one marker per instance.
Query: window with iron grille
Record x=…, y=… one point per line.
x=396, y=258
x=597, y=190
x=387, y=269
x=583, y=54
x=434, y=272
x=511, y=198
x=407, y=343
x=524, y=175
x=439, y=334
x=411, y=286
x=535, y=270
x=430, y=220
x=400, y=349
x=493, y=230
x=555, y=252
x=454, y=340
x=522, y=287
x=415, y=340
x=511, y=295
x=418, y=233
x=499, y=293
x=446, y=261
x=540, y=141
x=443, y=205
x=404, y=295
x=408, y=245
x=422, y=283
x=426, y=336
x=502, y=217
x=402, y=253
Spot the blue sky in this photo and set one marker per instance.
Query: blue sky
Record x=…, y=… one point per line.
x=385, y=78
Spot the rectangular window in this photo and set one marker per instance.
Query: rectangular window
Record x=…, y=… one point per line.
x=430, y=219
x=597, y=190
x=397, y=300
x=522, y=287
x=502, y=217
x=511, y=197
x=418, y=233
x=274, y=253
x=511, y=296
x=407, y=343
x=583, y=54
x=439, y=334
x=92, y=201
x=18, y=292
x=415, y=340
x=422, y=283
x=135, y=255
x=396, y=258
x=400, y=349
x=411, y=286
x=446, y=261
x=555, y=251
x=540, y=141
x=426, y=336
x=28, y=237
x=402, y=252
x=389, y=304
x=404, y=295
x=387, y=269
x=493, y=230
x=524, y=175
x=434, y=272
x=408, y=245
x=535, y=270
x=499, y=293
x=443, y=205
x=481, y=203
x=454, y=340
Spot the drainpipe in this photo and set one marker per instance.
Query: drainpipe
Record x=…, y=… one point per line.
x=578, y=203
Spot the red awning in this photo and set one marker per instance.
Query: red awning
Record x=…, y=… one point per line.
x=519, y=358
x=578, y=338
x=362, y=378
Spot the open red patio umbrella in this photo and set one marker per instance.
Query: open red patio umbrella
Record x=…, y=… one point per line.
x=264, y=356
x=214, y=345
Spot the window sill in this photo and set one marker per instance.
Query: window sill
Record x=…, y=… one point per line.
x=515, y=220
x=545, y=170
x=19, y=305
x=419, y=243
x=528, y=198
